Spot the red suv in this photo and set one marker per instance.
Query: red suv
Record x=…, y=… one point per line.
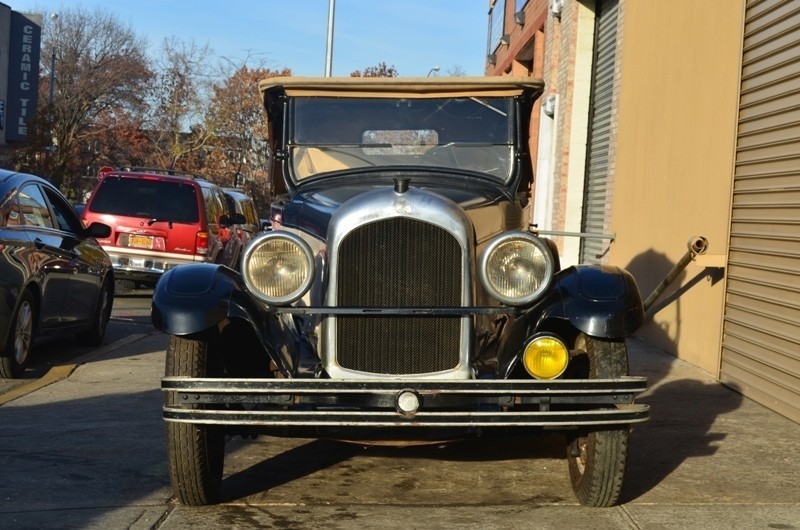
x=161, y=219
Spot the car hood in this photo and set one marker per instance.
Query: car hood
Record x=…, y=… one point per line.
x=488, y=207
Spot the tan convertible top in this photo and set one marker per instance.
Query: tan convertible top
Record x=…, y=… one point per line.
x=408, y=87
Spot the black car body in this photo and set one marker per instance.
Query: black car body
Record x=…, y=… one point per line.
x=55, y=279
x=400, y=294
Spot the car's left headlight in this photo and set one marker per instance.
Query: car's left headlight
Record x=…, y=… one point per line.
x=516, y=268
x=278, y=267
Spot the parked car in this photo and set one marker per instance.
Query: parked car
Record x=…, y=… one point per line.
x=161, y=219
x=241, y=203
x=401, y=294
x=55, y=279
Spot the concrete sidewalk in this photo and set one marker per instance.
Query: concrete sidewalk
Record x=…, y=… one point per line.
x=87, y=451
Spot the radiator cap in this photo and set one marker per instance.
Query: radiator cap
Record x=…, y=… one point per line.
x=401, y=184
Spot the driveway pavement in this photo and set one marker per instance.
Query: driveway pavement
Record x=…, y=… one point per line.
x=86, y=450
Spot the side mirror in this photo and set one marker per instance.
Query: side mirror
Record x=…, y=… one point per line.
x=98, y=230
x=224, y=221
x=238, y=219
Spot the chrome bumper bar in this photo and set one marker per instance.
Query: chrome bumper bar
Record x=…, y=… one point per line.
x=385, y=403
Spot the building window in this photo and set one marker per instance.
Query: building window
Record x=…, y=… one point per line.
x=496, y=19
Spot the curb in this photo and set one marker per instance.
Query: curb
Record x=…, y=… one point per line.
x=63, y=371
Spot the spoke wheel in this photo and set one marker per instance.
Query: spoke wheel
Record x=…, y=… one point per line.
x=20, y=339
x=598, y=458
x=196, y=453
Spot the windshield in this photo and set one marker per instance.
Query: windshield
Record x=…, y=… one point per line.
x=466, y=133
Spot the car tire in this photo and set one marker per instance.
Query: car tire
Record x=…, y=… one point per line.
x=20, y=338
x=196, y=453
x=94, y=335
x=598, y=458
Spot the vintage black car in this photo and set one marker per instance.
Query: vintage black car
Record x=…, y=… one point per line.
x=55, y=279
x=401, y=294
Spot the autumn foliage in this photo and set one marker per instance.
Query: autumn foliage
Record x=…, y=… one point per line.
x=114, y=104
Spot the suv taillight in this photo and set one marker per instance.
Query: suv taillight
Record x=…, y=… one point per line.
x=201, y=243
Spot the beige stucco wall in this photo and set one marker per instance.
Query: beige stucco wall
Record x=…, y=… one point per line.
x=678, y=96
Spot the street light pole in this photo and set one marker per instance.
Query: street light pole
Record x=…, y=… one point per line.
x=434, y=69
x=329, y=52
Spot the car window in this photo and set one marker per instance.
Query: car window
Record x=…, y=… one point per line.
x=250, y=212
x=10, y=214
x=214, y=207
x=227, y=208
x=231, y=202
x=34, y=207
x=150, y=198
x=63, y=214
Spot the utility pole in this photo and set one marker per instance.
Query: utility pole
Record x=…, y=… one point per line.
x=329, y=52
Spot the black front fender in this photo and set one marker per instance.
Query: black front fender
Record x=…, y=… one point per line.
x=192, y=298
x=600, y=301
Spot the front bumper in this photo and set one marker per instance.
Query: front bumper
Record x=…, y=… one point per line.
x=375, y=403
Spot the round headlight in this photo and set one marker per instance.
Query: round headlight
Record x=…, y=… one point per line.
x=516, y=268
x=545, y=357
x=278, y=267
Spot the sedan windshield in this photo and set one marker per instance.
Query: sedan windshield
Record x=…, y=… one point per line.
x=337, y=134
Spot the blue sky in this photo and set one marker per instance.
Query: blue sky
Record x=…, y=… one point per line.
x=412, y=35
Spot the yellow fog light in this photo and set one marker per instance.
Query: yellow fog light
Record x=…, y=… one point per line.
x=545, y=357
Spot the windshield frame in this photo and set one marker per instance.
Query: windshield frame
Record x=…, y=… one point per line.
x=499, y=114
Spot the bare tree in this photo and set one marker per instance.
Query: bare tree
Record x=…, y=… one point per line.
x=456, y=71
x=100, y=71
x=379, y=70
x=178, y=100
x=238, y=154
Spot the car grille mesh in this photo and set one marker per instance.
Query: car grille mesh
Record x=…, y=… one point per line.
x=399, y=262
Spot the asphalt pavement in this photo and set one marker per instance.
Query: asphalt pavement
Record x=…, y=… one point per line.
x=83, y=447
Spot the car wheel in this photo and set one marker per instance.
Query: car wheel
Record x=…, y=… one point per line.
x=20, y=338
x=94, y=336
x=597, y=458
x=196, y=453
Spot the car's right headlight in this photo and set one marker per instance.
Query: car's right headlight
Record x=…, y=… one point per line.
x=516, y=268
x=278, y=267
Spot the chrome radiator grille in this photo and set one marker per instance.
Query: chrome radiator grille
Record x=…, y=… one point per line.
x=399, y=262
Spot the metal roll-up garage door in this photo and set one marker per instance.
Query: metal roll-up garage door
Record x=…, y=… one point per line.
x=600, y=121
x=761, y=339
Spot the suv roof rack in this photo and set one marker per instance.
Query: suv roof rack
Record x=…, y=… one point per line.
x=171, y=172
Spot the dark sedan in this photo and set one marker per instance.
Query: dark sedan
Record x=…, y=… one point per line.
x=55, y=279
